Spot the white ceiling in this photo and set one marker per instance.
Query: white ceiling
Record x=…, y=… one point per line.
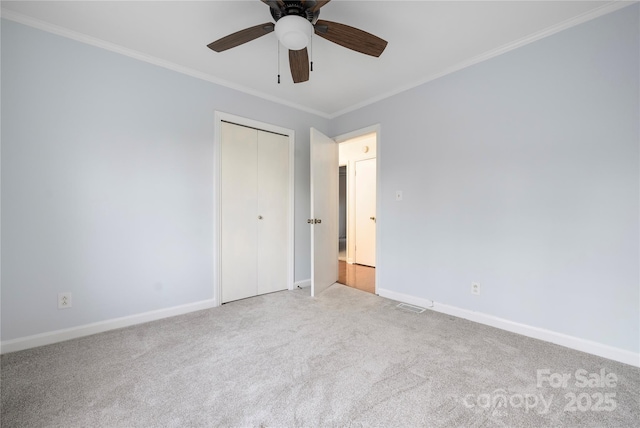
x=426, y=39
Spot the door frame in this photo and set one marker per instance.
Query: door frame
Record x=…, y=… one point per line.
x=219, y=117
x=379, y=219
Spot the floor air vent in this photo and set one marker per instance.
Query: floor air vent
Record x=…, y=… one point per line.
x=411, y=308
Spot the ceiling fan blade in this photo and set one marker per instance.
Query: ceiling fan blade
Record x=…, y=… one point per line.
x=274, y=4
x=240, y=37
x=350, y=37
x=318, y=4
x=299, y=64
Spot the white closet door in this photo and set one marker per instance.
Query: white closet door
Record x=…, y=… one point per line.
x=273, y=204
x=238, y=219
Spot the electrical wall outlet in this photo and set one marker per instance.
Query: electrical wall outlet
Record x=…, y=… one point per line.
x=475, y=288
x=64, y=300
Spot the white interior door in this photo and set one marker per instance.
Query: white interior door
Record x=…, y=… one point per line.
x=238, y=224
x=324, y=212
x=365, y=212
x=272, y=211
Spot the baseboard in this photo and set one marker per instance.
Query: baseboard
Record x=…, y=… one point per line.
x=572, y=342
x=48, y=338
x=302, y=284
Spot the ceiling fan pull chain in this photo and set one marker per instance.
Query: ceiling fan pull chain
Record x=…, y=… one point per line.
x=311, y=49
x=278, y=42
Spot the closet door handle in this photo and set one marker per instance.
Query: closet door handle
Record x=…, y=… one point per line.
x=259, y=217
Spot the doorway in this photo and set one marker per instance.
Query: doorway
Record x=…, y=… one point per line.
x=357, y=191
x=323, y=181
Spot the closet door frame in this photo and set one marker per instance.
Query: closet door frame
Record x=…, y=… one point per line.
x=219, y=117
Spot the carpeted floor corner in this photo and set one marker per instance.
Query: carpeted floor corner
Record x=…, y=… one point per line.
x=346, y=358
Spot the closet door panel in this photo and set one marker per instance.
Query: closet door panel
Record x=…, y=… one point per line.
x=238, y=219
x=273, y=203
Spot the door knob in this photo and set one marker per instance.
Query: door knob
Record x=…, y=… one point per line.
x=259, y=217
x=372, y=218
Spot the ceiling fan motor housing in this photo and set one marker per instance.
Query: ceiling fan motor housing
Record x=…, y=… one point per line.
x=295, y=8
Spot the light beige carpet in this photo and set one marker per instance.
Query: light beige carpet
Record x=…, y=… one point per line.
x=347, y=358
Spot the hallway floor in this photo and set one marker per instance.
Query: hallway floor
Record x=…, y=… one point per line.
x=357, y=276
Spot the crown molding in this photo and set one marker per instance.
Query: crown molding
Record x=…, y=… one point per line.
x=572, y=22
x=93, y=41
x=83, y=38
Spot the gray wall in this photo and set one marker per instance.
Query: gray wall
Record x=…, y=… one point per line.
x=107, y=182
x=520, y=173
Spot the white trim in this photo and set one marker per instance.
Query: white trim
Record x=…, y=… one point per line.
x=572, y=342
x=292, y=212
x=302, y=284
x=572, y=22
x=93, y=41
x=56, y=336
x=359, y=133
x=219, y=116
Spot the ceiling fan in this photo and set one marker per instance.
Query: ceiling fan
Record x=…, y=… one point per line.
x=294, y=23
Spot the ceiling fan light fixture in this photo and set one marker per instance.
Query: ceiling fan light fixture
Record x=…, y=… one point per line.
x=294, y=32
